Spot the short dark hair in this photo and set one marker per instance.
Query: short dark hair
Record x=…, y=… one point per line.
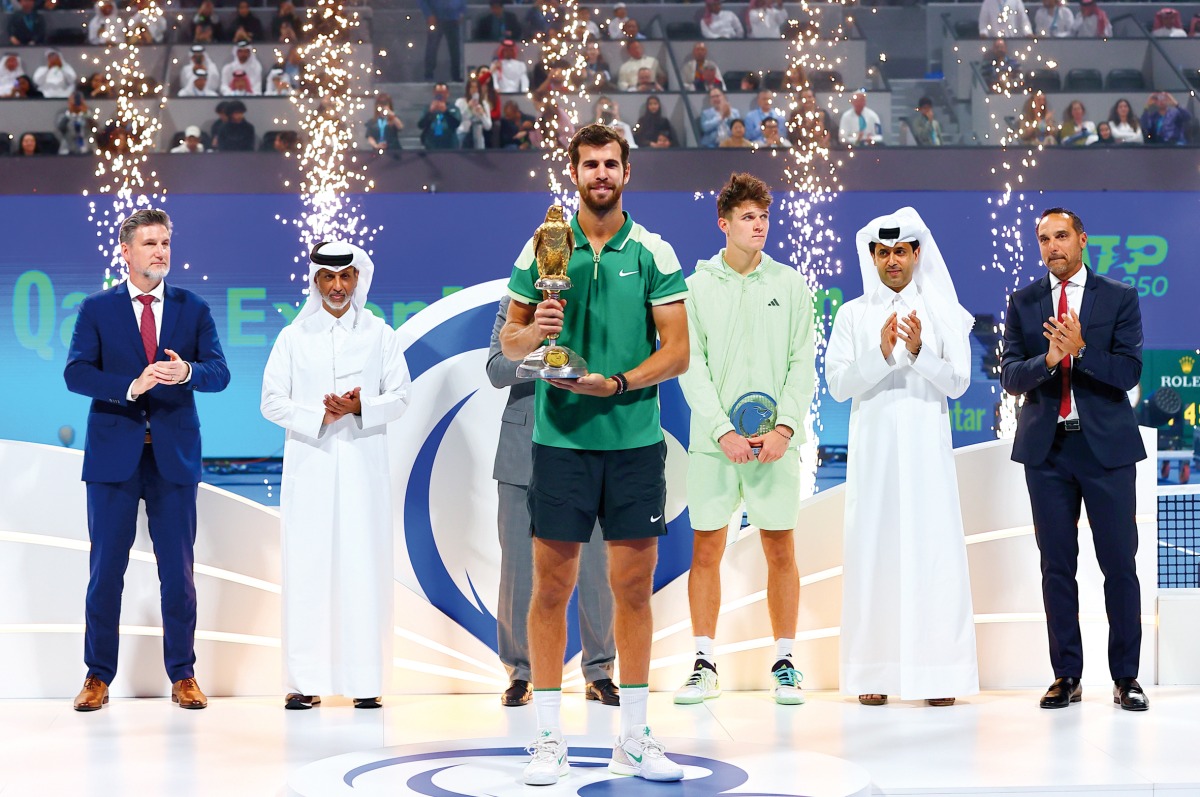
x=872, y=244
x=597, y=135
x=1076, y=222
x=742, y=187
x=383, y=99
x=924, y=102
x=145, y=217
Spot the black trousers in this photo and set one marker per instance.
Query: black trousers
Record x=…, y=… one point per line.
x=1069, y=477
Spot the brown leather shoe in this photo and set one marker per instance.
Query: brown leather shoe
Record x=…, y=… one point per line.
x=92, y=696
x=940, y=701
x=187, y=694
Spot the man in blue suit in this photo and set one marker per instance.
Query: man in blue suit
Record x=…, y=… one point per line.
x=1073, y=349
x=139, y=351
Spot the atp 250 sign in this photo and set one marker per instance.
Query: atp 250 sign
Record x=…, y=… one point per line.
x=1131, y=254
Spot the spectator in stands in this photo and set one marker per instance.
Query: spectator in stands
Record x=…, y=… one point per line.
x=279, y=84
x=239, y=85
x=498, y=24
x=1037, y=125
x=444, y=18
x=771, y=138
x=810, y=124
x=1003, y=18
x=244, y=60
x=26, y=90
x=716, y=23
x=1194, y=26
x=608, y=113
x=145, y=26
x=245, y=26
x=1168, y=24
x=287, y=25
x=237, y=135
x=764, y=108
x=200, y=59
x=289, y=141
x=439, y=124
x=55, y=78
x=488, y=89
x=543, y=17
x=1054, y=19
x=1163, y=121
x=1092, y=22
x=646, y=82
x=27, y=147
x=597, y=75
x=1104, y=136
x=554, y=83
x=632, y=30
x=26, y=26
x=199, y=85
x=222, y=111
x=927, y=131
x=751, y=82
x=652, y=126
x=191, y=142
x=553, y=128
x=715, y=120
x=616, y=24
x=1124, y=123
x=737, y=135
x=95, y=88
x=1076, y=131
x=509, y=72
x=860, y=126
x=206, y=18
x=701, y=74
x=627, y=76
x=1001, y=72
x=383, y=129
x=105, y=27
x=76, y=125
x=476, y=116
x=592, y=24
x=764, y=19
x=10, y=69
x=515, y=126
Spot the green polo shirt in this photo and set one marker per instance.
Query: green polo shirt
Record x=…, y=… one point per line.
x=608, y=321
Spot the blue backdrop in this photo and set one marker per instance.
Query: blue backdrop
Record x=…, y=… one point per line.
x=235, y=251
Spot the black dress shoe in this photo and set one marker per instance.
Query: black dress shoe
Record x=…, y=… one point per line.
x=1128, y=694
x=294, y=701
x=605, y=691
x=518, y=693
x=1062, y=693
x=368, y=702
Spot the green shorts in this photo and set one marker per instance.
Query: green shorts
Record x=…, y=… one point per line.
x=716, y=486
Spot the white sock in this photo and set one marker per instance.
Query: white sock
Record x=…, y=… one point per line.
x=546, y=703
x=704, y=649
x=783, y=648
x=633, y=709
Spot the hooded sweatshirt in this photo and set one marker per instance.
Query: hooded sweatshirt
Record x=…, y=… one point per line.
x=747, y=334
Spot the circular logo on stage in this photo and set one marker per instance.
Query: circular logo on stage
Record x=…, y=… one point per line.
x=493, y=768
x=754, y=414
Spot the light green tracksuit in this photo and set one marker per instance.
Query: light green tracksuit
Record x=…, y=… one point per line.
x=751, y=333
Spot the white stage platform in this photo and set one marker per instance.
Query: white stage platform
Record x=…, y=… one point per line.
x=993, y=743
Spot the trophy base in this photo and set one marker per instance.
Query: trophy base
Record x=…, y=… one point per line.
x=538, y=364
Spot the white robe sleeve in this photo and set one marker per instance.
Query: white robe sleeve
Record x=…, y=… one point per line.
x=277, y=405
x=800, y=383
x=696, y=382
x=846, y=375
x=948, y=370
x=394, y=385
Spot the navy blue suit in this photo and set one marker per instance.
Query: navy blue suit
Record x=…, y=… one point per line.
x=1093, y=466
x=121, y=469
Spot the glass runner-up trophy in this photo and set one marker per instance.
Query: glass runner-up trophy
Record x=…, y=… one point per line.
x=553, y=244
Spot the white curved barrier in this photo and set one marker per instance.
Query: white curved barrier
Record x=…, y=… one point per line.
x=43, y=576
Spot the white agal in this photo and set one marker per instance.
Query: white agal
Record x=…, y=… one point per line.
x=643, y=756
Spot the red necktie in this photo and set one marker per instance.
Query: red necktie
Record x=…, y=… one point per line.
x=1064, y=403
x=149, y=336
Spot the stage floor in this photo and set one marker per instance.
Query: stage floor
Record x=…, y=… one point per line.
x=993, y=742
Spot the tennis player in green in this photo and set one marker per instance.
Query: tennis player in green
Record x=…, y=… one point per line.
x=598, y=449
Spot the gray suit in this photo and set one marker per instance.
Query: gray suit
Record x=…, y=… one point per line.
x=514, y=462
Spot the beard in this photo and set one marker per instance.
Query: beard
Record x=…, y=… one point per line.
x=156, y=273
x=332, y=305
x=599, y=206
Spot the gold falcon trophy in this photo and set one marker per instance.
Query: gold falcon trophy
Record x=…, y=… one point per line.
x=553, y=244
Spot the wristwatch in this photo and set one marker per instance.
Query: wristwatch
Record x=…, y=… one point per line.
x=1079, y=354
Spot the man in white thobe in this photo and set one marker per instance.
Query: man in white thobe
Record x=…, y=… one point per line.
x=335, y=378
x=899, y=351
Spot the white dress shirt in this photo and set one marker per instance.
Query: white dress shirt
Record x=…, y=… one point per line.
x=1074, y=302
x=156, y=308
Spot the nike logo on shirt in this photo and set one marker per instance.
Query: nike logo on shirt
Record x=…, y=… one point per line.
x=656, y=519
x=626, y=273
